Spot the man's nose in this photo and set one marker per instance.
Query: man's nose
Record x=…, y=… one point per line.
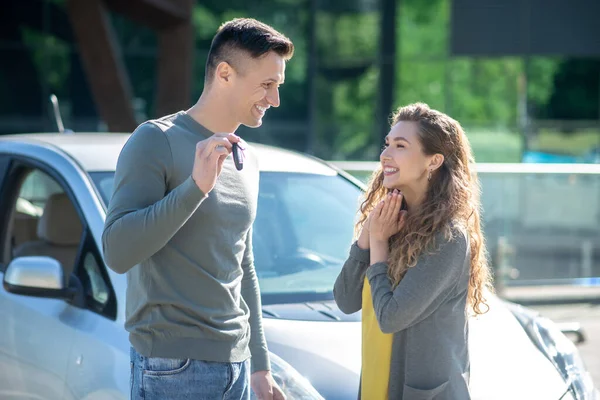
x=273, y=97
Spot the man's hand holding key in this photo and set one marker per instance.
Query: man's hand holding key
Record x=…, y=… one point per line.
x=209, y=158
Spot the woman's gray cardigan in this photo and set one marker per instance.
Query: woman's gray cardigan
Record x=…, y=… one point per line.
x=426, y=312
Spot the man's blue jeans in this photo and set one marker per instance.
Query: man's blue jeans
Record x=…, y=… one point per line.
x=155, y=378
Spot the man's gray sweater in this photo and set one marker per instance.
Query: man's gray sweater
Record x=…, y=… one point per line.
x=192, y=289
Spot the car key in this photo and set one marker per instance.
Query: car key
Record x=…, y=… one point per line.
x=237, y=156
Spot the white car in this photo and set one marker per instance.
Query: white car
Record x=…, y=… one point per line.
x=62, y=310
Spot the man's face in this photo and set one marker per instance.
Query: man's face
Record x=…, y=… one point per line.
x=255, y=87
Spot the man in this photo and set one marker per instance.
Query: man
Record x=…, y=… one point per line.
x=179, y=224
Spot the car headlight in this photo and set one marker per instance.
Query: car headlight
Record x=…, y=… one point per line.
x=559, y=349
x=294, y=385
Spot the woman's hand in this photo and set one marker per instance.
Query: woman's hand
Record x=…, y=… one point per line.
x=386, y=219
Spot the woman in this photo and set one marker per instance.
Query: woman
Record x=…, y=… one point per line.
x=419, y=265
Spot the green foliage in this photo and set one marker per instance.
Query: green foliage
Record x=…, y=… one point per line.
x=50, y=55
x=541, y=79
x=484, y=94
x=576, y=91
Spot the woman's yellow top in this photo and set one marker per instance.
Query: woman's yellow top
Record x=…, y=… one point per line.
x=376, y=352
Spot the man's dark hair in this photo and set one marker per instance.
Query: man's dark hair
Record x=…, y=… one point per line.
x=245, y=35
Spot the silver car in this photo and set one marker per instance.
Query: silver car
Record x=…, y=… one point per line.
x=62, y=310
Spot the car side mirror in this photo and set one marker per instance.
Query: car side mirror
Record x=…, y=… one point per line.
x=40, y=276
x=573, y=331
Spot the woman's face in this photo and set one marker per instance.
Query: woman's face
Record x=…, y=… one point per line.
x=404, y=164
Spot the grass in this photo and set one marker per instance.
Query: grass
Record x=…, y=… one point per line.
x=575, y=144
x=504, y=146
x=495, y=146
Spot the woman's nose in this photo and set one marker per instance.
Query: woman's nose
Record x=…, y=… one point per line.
x=383, y=156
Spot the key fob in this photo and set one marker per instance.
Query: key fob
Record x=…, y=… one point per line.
x=237, y=157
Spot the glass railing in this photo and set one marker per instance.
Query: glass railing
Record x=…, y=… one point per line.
x=542, y=226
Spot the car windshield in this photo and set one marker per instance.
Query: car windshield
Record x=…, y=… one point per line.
x=302, y=233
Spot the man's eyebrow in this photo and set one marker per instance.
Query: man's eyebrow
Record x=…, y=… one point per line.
x=275, y=80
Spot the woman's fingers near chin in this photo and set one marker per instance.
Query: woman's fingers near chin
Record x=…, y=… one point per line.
x=402, y=216
x=398, y=201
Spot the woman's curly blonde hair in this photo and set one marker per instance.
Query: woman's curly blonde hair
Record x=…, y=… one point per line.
x=452, y=198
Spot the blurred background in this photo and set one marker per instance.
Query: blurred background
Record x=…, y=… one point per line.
x=522, y=76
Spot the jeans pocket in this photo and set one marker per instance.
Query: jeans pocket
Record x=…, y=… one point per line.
x=157, y=366
x=412, y=393
x=168, y=378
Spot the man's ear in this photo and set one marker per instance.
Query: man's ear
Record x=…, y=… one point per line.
x=436, y=161
x=223, y=73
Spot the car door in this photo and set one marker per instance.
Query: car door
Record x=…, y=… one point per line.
x=35, y=334
x=99, y=365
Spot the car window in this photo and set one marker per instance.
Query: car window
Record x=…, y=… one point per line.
x=104, y=183
x=36, y=189
x=321, y=209
x=98, y=288
x=302, y=234
x=44, y=220
x=97, y=291
x=46, y=223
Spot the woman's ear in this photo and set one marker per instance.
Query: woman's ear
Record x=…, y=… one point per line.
x=436, y=161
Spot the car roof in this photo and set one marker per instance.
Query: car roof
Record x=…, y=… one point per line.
x=100, y=152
